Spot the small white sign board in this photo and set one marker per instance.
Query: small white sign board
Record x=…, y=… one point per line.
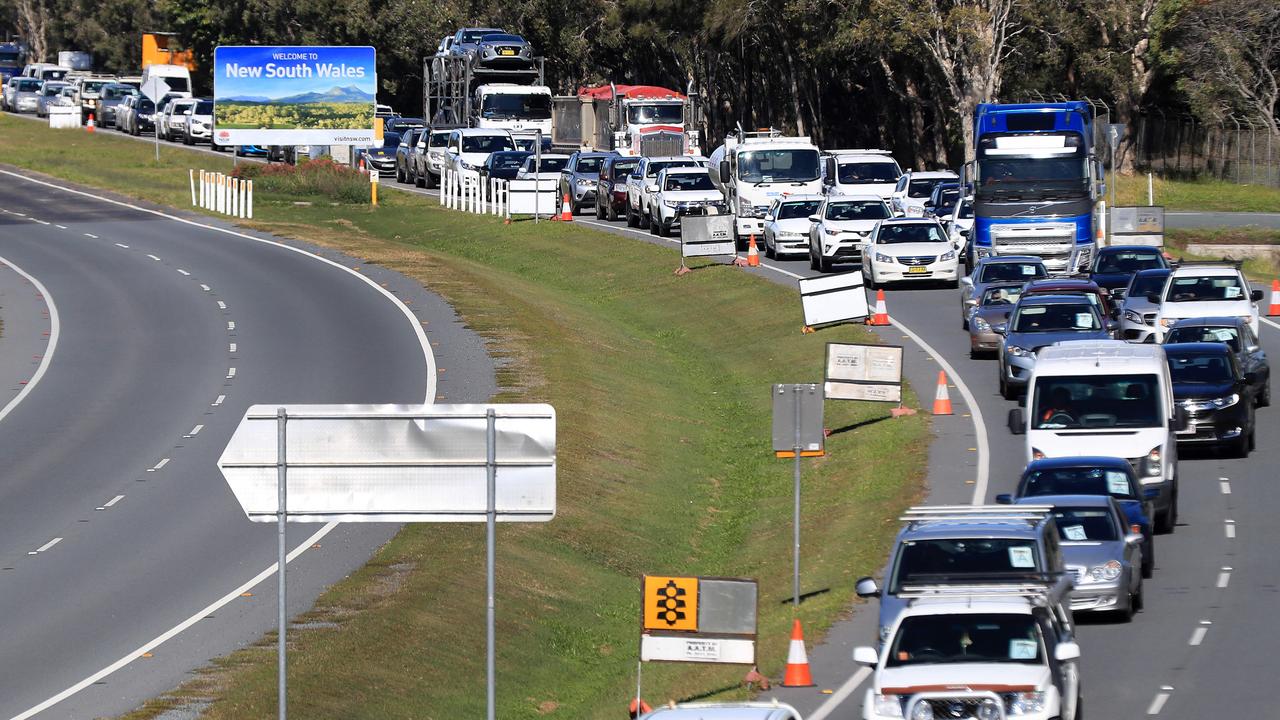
x=704, y=650
x=864, y=372
x=707, y=235
x=833, y=298
x=533, y=196
x=155, y=89
x=395, y=463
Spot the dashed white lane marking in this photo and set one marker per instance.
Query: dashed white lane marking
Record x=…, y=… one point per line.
x=231, y=324
x=113, y=501
x=194, y=431
x=159, y=465
x=841, y=694
x=205, y=287
x=1224, y=577
x=231, y=372
x=184, y=272
x=60, y=227
x=222, y=305
x=1197, y=636
x=218, y=401
x=231, y=347
x=1226, y=486
x=91, y=235
x=1230, y=528
x=1157, y=703
x=153, y=257
x=45, y=546
x=122, y=245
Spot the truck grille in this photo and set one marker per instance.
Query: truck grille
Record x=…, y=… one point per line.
x=660, y=144
x=1054, y=242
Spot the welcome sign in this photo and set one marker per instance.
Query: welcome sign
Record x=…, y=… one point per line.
x=288, y=95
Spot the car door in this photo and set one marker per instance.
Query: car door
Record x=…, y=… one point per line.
x=635, y=184
x=1254, y=358
x=1065, y=674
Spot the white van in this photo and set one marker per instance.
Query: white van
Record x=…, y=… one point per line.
x=1110, y=398
x=860, y=172
x=46, y=71
x=177, y=77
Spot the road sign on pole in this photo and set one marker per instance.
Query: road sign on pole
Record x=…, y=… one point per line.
x=155, y=89
x=394, y=463
x=797, y=433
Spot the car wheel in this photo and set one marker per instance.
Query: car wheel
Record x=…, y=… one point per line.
x=769, y=250
x=652, y=224
x=1168, y=520
x=1127, y=614
x=1264, y=398
x=599, y=211
x=1006, y=390
x=813, y=261
x=643, y=219
x=1149, y=558
x=610, y=213
x=399, y=174
x=1140, y=598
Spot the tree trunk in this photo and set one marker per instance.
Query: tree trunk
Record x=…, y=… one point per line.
x=34, y=19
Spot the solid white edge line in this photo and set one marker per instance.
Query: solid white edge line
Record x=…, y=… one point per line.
x=175, y=630
x=55, y=329
x=1269, y=322
x=428, y=356
x=841, y=694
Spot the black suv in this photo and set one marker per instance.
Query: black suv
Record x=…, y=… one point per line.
x=611, y=188
x=1215, y=393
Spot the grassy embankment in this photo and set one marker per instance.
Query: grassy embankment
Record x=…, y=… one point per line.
x=661, y=385
x=1204, y=195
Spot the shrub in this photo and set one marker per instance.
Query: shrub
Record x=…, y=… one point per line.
x=309, y=178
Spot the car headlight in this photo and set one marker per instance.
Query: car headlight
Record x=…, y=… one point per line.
x=1037, y=454
x=981, y=325
x=1017, y=351
x=1166, y=322
x=1107, y=571
x=1133, y=317
x=922, y=711
x=888, y=705
x=1151, y=465
x=948, y=255
x=831, y=231
x=1025, y=703
x=670, y=203
x=881, y=258
x=914, y=211
x=468, y=166
x=1218, y=403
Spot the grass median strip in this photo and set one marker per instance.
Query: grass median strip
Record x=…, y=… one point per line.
x=661, y=385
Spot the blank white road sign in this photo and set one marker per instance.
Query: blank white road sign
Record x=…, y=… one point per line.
x=833, y=298
x=395, y=463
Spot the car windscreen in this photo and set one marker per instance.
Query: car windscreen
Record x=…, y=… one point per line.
x=1086, y=524
x=533, y=106
x=623, y=169
x=910, y=233
x=657, y=167
x=1205, y=288
x=486, y=143
x=1143, y=285
x=92, y=86
x=1200, y=368
x=145, y=105
x=548, y=164
x=589, y=165
x=204, y=107
x=1096, y=401
x=947, y=198
x=1058, y=317
x=1127, y=261
x=118, y=92
x=857, y=210
x=798, y=210
x=1205, y=333
x=1012, y=271
x=689, y=181
x=390, y=140
x=654, y=114
x=51, y=89
x=923, y=562
x=1078, y=481
x=863, y=173
x=966, y=211
x=771, y=166
x=28, y=85
x=501, y=38
x=922, y=188
x=438, y=139
x=177, y=84
x=472, y=36
x=507, y=161
x=966, y=638
x=1001, y=295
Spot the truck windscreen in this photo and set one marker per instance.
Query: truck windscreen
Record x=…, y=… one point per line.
x=647, y=114
x=1067, y=176
x=778, y=166
x=516, y=107
x=9, y=58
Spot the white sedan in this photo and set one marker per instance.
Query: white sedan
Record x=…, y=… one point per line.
x=550, y=169
x=840, y=227
x=909, y=249
x=786, y=224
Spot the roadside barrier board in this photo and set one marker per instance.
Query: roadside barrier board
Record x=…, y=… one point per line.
x=797, y=420
x=833, y=299
x=863, y=372
x=698, y=619
x=707, y=235
x=533, y=197
x=1141, y=225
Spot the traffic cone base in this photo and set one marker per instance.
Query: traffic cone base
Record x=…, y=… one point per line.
x=942, y=398
x=881, y=315
x=797, y=660
x=1274, y=310
x=753, y=255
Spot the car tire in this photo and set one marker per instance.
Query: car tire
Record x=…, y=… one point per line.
x=1139, y=599
x=1264, y=398
x=1149, y=559
x=652, y=224
x=1006, y=390
x=954, y=284
x=599, y=211
x=813, y=261
x=1167, y=521
x=400, y=174
x=642, y=219
x=609, y=213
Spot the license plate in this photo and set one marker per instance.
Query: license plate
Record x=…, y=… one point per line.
x=507, y=52
x=917, y=270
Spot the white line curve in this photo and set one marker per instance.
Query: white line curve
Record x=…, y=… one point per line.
x=55, y=328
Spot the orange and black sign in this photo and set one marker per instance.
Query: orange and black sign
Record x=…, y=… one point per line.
x=670, y=603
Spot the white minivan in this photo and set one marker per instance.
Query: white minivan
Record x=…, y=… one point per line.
x=177, y=77
x=1110, y=398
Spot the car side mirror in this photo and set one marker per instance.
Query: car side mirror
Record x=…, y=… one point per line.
x=1066, y=651
x=1255, y=296
x=1133, y=539
x=966, y=280
x=1004, y=499
x=1112, y=325
x=866, y=655
x=724, y=171
x=1119, y=293
x=866, y=588
x=1153, y=298
x=1017, y=422
x=1000, y=328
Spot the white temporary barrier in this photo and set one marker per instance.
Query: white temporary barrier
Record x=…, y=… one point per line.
x=221, y=193
x=64, y=117
x=532, y=197
x=829, y=299
x=482, y=196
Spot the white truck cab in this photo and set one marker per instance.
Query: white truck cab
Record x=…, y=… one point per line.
x=522, y=109
x=981, y=651
x=860, y=172
x=754, y=169
x=177, y=77
x=1106, y=397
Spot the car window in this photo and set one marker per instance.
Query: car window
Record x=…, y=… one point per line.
x=1079, y=481
x=927, y=561
x=657, y=167
x=689, y=181
x=1204, y=333
x=1201, y=369
x=1086, y=524
x=623, y=169
x=796, y=210
x=589, y=165
x=1127, y=261
x=1058, y=317
x=922, y=188
x=1093, y=401
x=910, y=233
x=861, y=173
x=1191, y=288
x=1001, y=295
x=1020, y=271
x=857, y=210
x=1143, y=285
x=548, y=164
x=486, y=143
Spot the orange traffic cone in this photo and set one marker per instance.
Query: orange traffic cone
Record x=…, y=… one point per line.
x=361, y=167
x=89, y=125
x=635, y=712
x=942, y=398
x=753, y=255
x=1274, y=310
x=566, y=209
x=797, y=660
x=881, y=316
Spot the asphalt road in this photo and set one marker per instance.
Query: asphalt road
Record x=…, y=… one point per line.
x=116, y=527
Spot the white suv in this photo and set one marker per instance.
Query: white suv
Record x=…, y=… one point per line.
x=914, y=188
x=841, y=226
x=909, y=249
x=1205, y=290
x=996, y=652
x=642, y=183
x=683, y=191
x=469, y=147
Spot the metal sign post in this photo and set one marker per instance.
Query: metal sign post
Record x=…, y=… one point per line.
x=155, y=89
x=537, y=173
x=1115, y=131
x=797, y=433
x=394, y=463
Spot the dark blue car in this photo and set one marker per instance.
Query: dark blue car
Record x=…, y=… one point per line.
x=1114, y=266
x=1093, y=476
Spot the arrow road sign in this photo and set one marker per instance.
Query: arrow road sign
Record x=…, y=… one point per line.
x=1115, y=131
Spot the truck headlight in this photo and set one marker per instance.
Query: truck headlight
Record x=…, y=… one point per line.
x=1025, y=703
x=744, y=207
x=888, y=705
x=1151, y=465
x=1105, y=572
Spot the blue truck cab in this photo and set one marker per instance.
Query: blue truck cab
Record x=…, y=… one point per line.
x=13, y=56
x=1036, y=181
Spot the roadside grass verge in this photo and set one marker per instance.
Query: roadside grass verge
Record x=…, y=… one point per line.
x=1204, y=195
x=661, y=385
x=1261, y=269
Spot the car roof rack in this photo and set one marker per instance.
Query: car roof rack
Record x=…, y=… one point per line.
x=1039, y=588
x=977, y=514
